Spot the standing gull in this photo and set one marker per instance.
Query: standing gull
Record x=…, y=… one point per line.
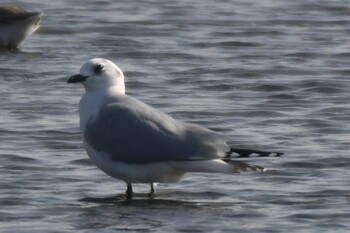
x=131, y=141
x=16, y=25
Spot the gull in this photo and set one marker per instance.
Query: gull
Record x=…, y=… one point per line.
x=136, y=143
x=16, y=25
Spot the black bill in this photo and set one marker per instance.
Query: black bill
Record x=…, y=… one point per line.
x=77, y=78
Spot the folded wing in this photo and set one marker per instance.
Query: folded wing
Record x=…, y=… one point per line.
x=133, y=132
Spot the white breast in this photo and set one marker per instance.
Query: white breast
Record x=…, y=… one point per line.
x=88, y=107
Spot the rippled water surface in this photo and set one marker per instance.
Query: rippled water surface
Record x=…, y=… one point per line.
x=270, y=74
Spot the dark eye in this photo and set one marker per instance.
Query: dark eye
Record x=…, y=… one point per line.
x=98, y=69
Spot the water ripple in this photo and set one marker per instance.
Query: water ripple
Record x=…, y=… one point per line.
x=273, y=74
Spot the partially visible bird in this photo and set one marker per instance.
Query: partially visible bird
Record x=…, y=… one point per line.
x=16, y=25
x=134, y=142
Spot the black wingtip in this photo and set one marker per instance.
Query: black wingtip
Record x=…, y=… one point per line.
x=246, y=153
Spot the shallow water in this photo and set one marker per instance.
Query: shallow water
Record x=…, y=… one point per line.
x=266, y=73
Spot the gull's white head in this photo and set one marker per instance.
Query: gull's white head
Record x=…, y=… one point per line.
x=100, y=74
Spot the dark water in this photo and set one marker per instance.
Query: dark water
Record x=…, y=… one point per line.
x=268, y=73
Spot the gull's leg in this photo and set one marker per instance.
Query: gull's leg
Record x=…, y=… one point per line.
x=152, y=191
x=152, y=188
x=129, y=191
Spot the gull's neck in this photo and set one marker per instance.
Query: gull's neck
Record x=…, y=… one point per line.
x=111, y=87
x=92, y=101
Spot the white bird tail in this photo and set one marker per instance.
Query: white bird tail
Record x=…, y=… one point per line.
x=217, y=166
x=244, y=167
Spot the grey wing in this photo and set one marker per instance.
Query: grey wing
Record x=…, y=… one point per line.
x=133, y=132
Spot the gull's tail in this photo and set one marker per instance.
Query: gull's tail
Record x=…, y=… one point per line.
x=227, y=164
x=239, y=166
x=224, y=165
x=246, y=153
